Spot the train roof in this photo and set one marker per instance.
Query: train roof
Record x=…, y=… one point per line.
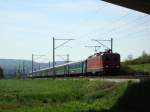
x=43, y=69
x=101, y=54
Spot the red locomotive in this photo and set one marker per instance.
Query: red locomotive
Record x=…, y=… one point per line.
x=103, y=63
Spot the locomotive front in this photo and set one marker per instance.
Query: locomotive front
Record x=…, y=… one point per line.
x=103, y=63
x=111, y=62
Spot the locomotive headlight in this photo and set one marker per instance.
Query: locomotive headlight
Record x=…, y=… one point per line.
x=117, y=66
x=106, y=66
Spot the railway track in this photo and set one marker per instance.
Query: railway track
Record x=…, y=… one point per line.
x=119, y=78
x=126, y=76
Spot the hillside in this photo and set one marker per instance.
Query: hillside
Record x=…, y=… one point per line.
x=11, y=66
x=144, y=58
x=141, y=67
x=140, y=64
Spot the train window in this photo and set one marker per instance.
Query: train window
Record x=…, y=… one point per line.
x=115, y=58
x=107, y=58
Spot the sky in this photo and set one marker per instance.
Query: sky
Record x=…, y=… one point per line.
x=28, y=26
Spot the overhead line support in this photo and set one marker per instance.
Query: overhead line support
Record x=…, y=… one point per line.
x=55, y=47
x=111, y=40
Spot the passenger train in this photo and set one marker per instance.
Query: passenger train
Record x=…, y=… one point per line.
x=101, y=63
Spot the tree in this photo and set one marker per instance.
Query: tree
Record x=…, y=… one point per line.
x=130, y=57
x=144, y=54
x=1, y=73
x=18, y=73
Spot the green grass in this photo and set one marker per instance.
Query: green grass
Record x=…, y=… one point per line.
x=141, y=67
x=58, y=95
x=69, y=95
x=136, y=98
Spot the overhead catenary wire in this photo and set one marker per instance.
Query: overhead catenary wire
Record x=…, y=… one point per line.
x=121, y=18
x=115, y=21
x=130, y=25
x=104, y=5
x=126, y=15
x=123, y=25
x=133, y=32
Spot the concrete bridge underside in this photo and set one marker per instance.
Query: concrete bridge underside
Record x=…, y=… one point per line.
x=138, y=5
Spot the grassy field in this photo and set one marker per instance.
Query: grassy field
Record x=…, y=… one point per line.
x=63, y=95
x=141, y=67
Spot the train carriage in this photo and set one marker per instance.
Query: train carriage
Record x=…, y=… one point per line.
x=76, y=68
x=61, y=70
x=69, y=70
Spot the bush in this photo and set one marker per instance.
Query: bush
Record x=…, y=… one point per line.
x=144, y=58
x=1, y=73
x=126, y=70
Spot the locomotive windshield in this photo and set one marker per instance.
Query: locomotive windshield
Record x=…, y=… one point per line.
x=111, y=57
